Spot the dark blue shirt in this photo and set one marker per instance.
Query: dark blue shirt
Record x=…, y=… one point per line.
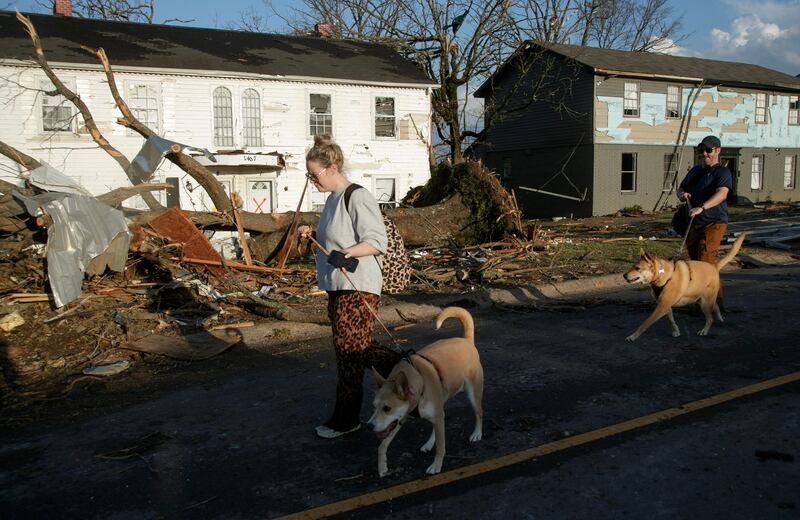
x=701, y=183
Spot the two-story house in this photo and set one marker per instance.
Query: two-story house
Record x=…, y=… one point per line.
x=254, y=100
x=584, y=131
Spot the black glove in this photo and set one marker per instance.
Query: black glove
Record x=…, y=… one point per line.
x=337, y=259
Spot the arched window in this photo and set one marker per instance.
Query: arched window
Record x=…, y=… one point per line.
x=251, y=117
x=223, y=117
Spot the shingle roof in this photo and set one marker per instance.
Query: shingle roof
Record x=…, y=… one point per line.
x=715, y=72
x=190, y=48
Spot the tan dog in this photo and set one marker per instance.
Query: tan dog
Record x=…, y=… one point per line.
x=424, y=381
x=680, y=283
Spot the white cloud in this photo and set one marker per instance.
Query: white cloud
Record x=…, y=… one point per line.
x=765, y=33
x=668, y=46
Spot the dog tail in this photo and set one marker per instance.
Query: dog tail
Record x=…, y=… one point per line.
x=464, y=316
x=732, y=253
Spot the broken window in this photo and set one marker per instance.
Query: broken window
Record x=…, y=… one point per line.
x=761, y=107
x=628, y=172
x=384, y=117
x=508, y=173
x=794, y=110
x=673, y=101
x=251, y=118
x=789, y=171
x=143, y=100
x=320, y=115
x=630, y=103
x=670, y=170
x=385, y=192
x=57, y=112
x=223, y=117
x=757, y=173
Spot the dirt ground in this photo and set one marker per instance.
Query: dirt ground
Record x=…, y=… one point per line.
x=44, y=358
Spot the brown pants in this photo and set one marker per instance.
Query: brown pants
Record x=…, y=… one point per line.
x=354, y=344
x=703, y=245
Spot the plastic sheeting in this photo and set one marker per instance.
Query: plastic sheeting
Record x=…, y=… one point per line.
x=82, y=229
x=149, y=157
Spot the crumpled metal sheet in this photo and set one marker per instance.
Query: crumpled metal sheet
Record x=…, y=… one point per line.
x=82, y=229
x=149, y=157
x=49, y=179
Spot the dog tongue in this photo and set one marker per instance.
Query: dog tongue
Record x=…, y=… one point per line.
x=385, y=433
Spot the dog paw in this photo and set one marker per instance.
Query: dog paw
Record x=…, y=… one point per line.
x=382, y=472
x=676, y=334
x=434, y=468
x=476, y=436
x=425, y=448
x=631, y=338
x=702, y=332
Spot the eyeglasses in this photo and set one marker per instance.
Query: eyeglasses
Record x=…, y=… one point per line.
x=314, y=176
x=703, y=149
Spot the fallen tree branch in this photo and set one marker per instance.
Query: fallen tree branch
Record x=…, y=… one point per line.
x=76, y=100
x=187, y=163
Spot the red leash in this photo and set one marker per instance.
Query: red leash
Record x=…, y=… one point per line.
x=363, y=300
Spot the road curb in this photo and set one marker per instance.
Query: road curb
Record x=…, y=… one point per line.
x=270, y=334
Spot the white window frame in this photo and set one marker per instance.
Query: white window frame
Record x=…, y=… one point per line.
x=138, y=110
x=57, y=101
x=673, y=103
x=394, y=202
x=789, y=172
x=311, y=114
x=629, y=103
x=632, y=172
x=220, y=140
x=794, y=113
x=376, y=116
x=762, y=101
x=251, y=135
x=757, y=172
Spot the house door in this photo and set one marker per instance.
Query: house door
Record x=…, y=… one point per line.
x=730, y=159
x=260, y=197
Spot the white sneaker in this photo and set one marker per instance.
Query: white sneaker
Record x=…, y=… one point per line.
x=329, y=433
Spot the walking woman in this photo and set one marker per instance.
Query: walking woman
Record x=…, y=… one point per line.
x=357, y=231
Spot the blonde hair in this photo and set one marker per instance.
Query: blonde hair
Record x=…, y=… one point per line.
x=326, y=152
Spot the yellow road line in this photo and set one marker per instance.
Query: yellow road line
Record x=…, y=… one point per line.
x=415, y=486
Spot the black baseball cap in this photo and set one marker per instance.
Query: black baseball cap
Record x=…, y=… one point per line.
x=710, y=141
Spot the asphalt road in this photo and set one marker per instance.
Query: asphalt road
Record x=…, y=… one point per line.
x=240, y=443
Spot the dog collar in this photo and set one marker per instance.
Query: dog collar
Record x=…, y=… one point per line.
x=659, y=272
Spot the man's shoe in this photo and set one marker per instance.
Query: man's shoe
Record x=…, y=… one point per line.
x=329, y=433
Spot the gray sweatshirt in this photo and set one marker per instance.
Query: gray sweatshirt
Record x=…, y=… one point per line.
x=339, y=228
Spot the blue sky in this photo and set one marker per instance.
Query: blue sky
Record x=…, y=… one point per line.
x=764, y=32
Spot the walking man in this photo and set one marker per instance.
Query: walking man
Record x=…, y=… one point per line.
x=706, y=188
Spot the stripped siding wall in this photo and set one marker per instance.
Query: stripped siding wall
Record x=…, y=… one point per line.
x=723, y=112
x=727, y=113
x=187, y=117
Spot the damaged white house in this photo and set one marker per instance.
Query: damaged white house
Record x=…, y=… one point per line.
x=255, y=101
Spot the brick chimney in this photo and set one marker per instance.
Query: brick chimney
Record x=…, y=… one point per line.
x=62, y=7
x=323, y=30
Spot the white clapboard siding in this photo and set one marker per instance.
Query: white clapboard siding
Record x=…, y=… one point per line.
x=186, y=116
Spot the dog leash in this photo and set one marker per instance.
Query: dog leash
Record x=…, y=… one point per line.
x=689, y=227
x=363, y=300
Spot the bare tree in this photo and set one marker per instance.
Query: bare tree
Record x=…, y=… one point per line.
x=631, y=25
x=141, y=11
x=453, y=41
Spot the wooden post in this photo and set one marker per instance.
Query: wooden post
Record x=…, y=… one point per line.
x=245, y=247
x=287, y=244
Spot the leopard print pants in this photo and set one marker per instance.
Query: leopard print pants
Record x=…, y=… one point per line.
x=355, y=348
